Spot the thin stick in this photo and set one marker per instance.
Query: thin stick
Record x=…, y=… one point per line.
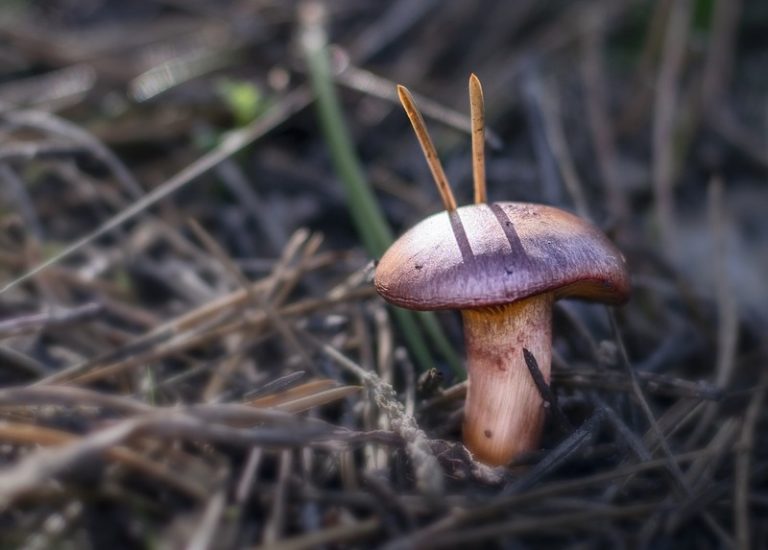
x=369, y=83
x=546, y=392
x=673, y=466
x=477, y=114
x=743, y=465
x=427, y=147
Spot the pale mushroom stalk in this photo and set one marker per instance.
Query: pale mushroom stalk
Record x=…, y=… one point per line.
x=504, y=413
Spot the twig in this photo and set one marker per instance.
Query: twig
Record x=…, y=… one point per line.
x=727, y=308
x=27, y=366
x=546, y=392
x=674, y=469
x=246, y=482
x=477, y=115
x=275, y=386
x=588, y=520
x=49, y=319
x=635, y=443
x=275, y=523
x=204, y=535
x=651, y=383
x=559, y=455
x=428, y=148
x=743, y=467
x=70, y=396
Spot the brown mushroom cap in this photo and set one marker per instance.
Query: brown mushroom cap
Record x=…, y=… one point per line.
x=492, y=254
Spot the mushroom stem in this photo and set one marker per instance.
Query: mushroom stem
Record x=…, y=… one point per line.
x=504, y=413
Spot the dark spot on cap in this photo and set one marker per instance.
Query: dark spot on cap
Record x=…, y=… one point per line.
x=488, y=434
x=418, y=266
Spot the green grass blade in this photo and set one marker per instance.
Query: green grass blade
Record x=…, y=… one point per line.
x=364, y=209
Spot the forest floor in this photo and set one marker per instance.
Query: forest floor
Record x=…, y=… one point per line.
x=193, y=196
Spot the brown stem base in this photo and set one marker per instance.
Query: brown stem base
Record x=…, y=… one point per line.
x=504, y=413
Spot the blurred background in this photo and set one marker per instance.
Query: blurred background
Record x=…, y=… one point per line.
x=261, y=119
x=631, y=112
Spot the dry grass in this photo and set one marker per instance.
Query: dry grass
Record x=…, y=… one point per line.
x=192, y=352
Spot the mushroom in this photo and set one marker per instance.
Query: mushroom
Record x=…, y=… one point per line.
x=502, y=264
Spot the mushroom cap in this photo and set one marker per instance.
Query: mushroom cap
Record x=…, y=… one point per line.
x=492, y=254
